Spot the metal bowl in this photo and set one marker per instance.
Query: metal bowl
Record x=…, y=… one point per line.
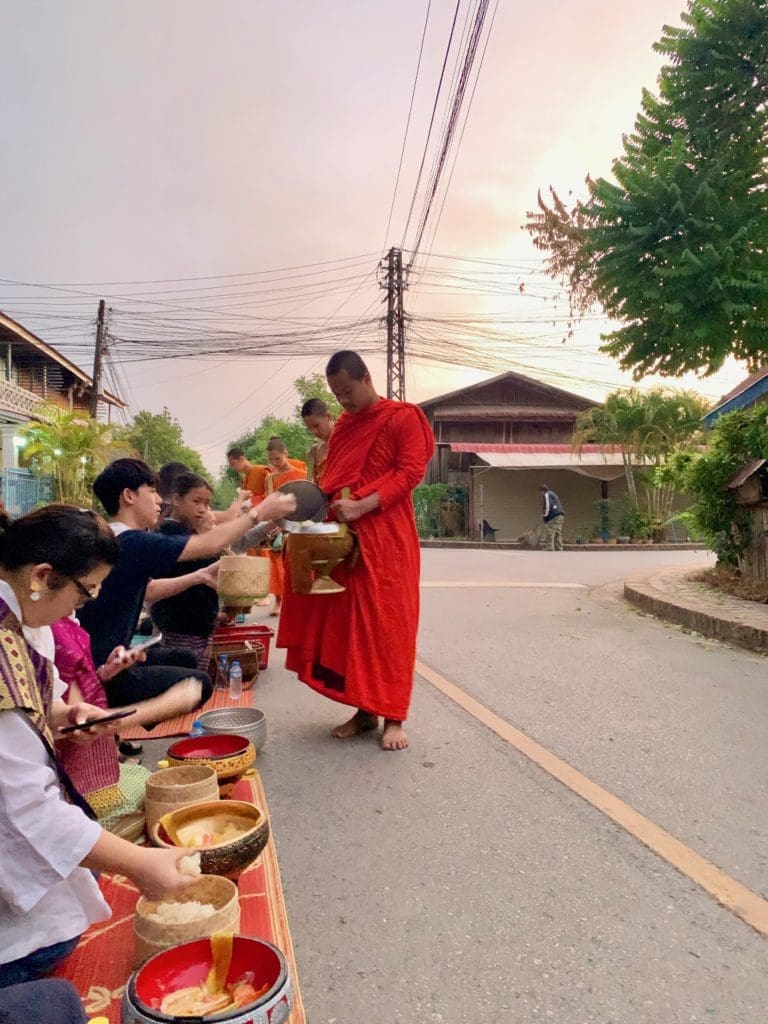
x=311, y=502
x=249, y=722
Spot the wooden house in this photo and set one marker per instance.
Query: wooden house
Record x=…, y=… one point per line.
x=750, y=485
x=500, y=439
x=32, y=373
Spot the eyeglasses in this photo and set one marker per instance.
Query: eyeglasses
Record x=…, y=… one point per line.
x=87, y=593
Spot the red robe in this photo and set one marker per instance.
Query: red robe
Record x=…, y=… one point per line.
x=359, y=647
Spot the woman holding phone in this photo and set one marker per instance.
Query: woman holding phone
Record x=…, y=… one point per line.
x=52, y=561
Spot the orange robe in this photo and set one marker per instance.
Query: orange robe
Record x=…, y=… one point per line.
x=359, y=647
x=254, y=478
x=276, y=564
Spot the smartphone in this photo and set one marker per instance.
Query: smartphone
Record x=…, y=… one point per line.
x=98, y=721
x=147, y=643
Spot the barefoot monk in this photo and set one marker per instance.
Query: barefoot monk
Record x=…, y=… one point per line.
x=358, y=647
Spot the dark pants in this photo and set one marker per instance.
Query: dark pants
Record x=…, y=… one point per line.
x=53, y=1001
x=35, y=965
x=164, y=667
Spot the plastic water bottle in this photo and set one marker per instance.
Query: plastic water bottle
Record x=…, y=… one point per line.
x=197, y=728
x=235, y=681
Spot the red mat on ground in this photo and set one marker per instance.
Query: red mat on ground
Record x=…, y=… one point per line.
x=181, y=725
x=100, y=969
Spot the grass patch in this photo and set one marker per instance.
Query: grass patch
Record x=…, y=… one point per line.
x=727, y=580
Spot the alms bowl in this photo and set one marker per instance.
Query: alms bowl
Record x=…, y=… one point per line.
x=230, y=756
x=189, y=963
x=228, y=857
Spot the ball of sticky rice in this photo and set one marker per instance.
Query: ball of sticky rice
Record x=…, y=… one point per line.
x=189, y=865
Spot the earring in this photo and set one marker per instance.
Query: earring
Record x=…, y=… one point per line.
x=35, y=595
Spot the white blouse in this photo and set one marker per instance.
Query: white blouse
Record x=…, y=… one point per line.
x=45, y=898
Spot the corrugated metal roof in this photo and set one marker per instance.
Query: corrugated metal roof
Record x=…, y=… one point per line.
x=25, y=335
x=745, y=473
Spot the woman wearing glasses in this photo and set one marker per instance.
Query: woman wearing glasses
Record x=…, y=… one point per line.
x=51, y=561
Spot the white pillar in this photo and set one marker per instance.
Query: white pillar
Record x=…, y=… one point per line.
x=9, y=450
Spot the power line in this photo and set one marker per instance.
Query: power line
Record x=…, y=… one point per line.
x=407, y=125
x=431, y=121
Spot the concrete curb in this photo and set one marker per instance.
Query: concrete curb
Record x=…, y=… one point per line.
x=731, y=625
x=513, y=545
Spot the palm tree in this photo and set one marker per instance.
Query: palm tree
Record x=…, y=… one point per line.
x=72, y=448
x=645, y=427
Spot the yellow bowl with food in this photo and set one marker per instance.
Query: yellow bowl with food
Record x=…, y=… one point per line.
x=229, y=834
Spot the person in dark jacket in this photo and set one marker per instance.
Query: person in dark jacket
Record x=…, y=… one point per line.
x=553, y=515
x=49, y=1001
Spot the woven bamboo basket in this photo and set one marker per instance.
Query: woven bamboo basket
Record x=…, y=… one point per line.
x=153, y=936
x=172, y=788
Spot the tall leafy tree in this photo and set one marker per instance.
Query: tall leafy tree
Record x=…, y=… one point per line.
x=158, y=438
x=314, y=385
x=676, y=247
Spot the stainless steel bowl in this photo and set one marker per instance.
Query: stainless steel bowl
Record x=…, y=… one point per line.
x=248, y=722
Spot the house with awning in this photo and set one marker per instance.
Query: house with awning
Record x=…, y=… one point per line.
x=500, y=439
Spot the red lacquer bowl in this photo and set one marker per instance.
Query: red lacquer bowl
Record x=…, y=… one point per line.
x=230, y=756
x=189, y=964
x=208, y=747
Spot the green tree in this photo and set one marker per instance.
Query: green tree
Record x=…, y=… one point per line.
x=293, y=432
x=645, y=427
x=158, y=438
x=734, y=440
x=315, y=386
x=675, y=248
x=72, y=448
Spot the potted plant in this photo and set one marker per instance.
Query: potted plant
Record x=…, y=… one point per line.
x=603, y=507
x=658, y=529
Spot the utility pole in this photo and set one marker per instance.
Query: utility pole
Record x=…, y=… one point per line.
x=98, y=358
x=393, y=282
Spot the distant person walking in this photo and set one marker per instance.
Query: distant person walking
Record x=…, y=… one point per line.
x=553, y=515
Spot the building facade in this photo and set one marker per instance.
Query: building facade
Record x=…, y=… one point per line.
x=501, y=439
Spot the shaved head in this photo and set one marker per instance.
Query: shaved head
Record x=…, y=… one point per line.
x=349, y=361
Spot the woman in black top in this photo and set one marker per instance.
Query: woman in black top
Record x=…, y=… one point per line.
x=187, y=620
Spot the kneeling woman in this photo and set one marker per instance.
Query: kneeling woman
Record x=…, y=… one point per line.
x=51, y=562
x=187, y=616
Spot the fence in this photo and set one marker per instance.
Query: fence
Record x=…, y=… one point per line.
x=21, y=491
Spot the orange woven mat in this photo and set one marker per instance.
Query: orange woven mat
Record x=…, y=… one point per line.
x=100, y=966
x=181, y=725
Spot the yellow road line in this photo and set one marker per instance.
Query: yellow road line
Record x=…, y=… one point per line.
x=503, y=583
x=747, y=905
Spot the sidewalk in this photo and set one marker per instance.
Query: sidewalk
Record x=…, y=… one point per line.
x=673, y=596
x=516, y=545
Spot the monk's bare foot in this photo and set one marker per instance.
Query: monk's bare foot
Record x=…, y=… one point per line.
x=359, y=723
x=393, y=737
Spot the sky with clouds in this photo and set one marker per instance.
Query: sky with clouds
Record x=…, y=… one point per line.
x=145, y=141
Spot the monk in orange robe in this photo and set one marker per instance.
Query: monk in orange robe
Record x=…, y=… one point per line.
x=252, y=476
x=282, y=471
x=358, y=647
x=319, y=422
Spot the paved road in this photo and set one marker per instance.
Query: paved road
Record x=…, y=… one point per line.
x=460, y=883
